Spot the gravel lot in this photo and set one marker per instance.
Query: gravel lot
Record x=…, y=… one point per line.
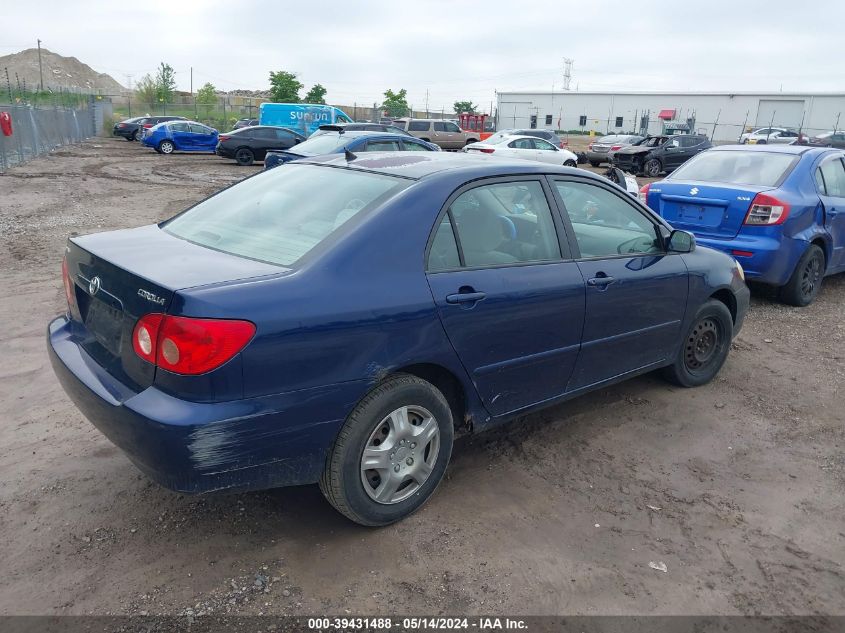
x=736, y=487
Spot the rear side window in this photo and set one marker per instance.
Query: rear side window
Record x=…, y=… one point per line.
x=180, y=127
x=444, y=250
x=522, y=143
x=418, y=126
x=833, y=175
x=764, y=169
x=280, y=215
x=382, y=146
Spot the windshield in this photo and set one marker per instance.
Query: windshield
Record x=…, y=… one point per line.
x=325, y=143
x=280, y=215
x=763, y=169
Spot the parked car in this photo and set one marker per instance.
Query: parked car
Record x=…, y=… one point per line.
x=445, y=134
x=525, y=147
x=597, y=151
x=360, y=127
x=241, y=123
x=780, y=210
x=826, y=139
x=338, y=143
x=547, y=135
x=319, y=322
x=769, y=135
x=249, y=144
x=181, y=136
x=133, y=129
x=656, y=154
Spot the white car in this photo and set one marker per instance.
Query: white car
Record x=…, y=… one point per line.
x=769, y=135
x=526, y=147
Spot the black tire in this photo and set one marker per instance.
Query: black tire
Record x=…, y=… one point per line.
x=806, y=280
x=595, y=163
x=762, y=142
x=131, y=137
x=427, y=140
x=341, y=482
x=704, y=348
x=652, y=167
x=166, y=147
x=470, y=141
x=244, y=156
x=570, y=163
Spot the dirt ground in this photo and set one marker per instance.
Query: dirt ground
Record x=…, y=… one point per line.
x=737, y=487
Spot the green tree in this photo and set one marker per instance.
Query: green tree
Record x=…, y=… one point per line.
x=317, y=94
x=207, y=97
x=285, y=87
x=396, y=103
x=465, y=106
x=165, y=82
x=146, y=91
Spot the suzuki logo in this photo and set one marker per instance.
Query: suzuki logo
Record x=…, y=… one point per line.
x=693, y=191
x=94, y=286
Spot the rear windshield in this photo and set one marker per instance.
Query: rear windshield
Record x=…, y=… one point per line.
x=764, y=169
x=279, y=215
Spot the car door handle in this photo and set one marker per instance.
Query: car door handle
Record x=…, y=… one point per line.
x=465, y=297
x=600, y=281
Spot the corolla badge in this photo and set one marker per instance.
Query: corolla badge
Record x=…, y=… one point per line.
x=149, y=296
x=693, y=191
x=94, y=286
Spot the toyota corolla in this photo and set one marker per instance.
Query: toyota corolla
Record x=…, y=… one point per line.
x=338, y=320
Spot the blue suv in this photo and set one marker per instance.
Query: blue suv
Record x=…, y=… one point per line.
x=779, y=210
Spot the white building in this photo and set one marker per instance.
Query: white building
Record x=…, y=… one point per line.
x=722, y=115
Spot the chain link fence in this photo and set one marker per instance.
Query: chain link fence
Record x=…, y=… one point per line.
x=37, y=130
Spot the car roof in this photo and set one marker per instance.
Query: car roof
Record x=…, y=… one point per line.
x=417, y=165
x=777, y=149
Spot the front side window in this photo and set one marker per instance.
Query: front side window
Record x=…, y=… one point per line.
x=542, y=144
x=280, y=215
x=505, y=223
x=410, y=146
x=606, y=225
x=451, y=127
x=196, y=128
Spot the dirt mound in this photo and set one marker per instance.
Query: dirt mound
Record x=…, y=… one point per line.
x=59, y=72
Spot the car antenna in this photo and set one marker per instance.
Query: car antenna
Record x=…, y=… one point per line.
x=349, y=156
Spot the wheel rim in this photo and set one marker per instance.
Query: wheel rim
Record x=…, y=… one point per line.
x=400, y=454
x=242, y=156
x=652, y=167
x=703, y=344
x=811, y=276
x=167, y=147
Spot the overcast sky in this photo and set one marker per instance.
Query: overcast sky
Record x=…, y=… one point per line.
x=455, y=50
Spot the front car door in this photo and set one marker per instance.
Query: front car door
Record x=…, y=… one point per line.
x=455, y=135
x=546, y=152
x=444, y=138
x=204, y=138
x=510, y=299
x=673, y=153
x=830, y=182
x=181, y=135
x=636, y=293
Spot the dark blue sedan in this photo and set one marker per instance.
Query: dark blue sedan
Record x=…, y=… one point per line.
x=779, y=209
x=338, y=320
x=181, y=136
x=338, y=142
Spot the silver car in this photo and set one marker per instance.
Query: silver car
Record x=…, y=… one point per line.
x=597, y=151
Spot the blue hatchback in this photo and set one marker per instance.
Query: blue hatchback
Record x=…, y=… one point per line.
x=331, y=142
x=779, y=209
x=181, y=136
x=338, y=320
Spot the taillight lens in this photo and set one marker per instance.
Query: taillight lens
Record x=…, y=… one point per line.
x=187, y=345
x=766, y=211
x=615, y=148
x=121, y=125
x=148, y=125
x=644, y=193
x=486, y=150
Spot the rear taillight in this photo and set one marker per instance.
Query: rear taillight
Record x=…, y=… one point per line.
x=187, y=345
x=644, y=193
x=486, y=150
x=223, y=137
x=121, y=125
x=767, y=211
x=615, y=148
x=148, y=125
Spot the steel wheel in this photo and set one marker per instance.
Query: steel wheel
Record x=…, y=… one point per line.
x=166, y=147
x=400, y=454
x=702, y=344
x=244, y=156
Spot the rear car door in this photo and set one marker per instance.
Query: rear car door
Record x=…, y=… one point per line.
x=510, y=299
x=830, y=181
x=636, y=293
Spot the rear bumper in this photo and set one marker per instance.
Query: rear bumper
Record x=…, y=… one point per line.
x=123, y=132
x=765, y=259
x=225, y=153
x=598, y=157
x=278, y=440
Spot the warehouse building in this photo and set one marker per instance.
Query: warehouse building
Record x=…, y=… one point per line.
x=724, y=116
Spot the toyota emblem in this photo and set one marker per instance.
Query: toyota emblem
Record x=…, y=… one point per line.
x=94, y=286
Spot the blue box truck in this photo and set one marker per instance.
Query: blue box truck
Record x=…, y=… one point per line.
x=305, y=118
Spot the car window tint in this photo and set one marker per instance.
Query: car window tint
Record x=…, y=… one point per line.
x=439, y=126
x=410, y=146
x=281, y=214
x=180, y=127
x=834, y=177
x=382, y=146
x=263, y=132
x=283, y=135
x=418, y=126
x=505, y=223
x=451, y=127
x=522, y=143
x=606, y=224
x=444, y=250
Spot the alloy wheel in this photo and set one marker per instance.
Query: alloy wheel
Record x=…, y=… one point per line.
x=811, y=276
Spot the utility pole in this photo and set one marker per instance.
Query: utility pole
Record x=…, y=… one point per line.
x=40, y=69
x=567, y=72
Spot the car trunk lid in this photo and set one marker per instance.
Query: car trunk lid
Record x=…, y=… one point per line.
x=706, y=209
x=119, y=276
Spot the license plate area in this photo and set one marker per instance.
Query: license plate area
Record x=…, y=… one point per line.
x=105, y=322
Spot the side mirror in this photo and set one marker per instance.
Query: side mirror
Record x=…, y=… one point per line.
x=680, y=242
